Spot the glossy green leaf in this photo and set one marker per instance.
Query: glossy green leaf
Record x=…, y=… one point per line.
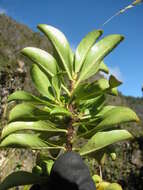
x=24, y=140
x=21, y=178
x=117, y=115
x=61, y=46
x=105, y=110
x=114, y=82
x=60, y=111
x=103, y=139
x=84, y=47
x=46, y=126
x=25, y=96
x=96, y=55
x=103, y=67
x=41, y=82
x=87, y=91
x=42, y=58
x=26, y=111
x=112, y=118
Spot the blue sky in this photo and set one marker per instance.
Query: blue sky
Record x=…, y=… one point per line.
x=77, y=17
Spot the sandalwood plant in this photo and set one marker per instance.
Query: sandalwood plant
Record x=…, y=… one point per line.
x=70, y=112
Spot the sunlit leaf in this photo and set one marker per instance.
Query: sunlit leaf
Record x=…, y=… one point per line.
x=103, y=139
x=25, y=112
x=84, y=47
x=117, y=115
x=96, y=55
x=112, y=118
x=113, y=186
x=25, y=96
x=27, y=187
x=41, y=82
x=23, y=140
x=113, y=91
x=105, y=110
x=46, y=61
x=103, y=67
x=46, y=126
x=21, y=178
x=61, y=46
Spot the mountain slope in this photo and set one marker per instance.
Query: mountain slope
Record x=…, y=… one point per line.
x=14, y=37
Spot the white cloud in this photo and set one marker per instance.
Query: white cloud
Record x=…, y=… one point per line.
x=2, y=11
x=116, y=72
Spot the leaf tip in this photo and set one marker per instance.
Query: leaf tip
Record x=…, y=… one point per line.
x=40, y=26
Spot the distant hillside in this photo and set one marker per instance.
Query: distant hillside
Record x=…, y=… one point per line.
x=14, y=37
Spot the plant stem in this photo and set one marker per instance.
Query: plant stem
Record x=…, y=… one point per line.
x=70, y=132
x=70, y=129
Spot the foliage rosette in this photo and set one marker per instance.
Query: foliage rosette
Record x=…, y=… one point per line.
x=71, y=102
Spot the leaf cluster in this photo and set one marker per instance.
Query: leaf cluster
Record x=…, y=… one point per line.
x=70, y=106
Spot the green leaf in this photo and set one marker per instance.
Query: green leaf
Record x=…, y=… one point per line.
x=42, y=58
x=96, y=55
x=56, y=83
x=84, y=47
x=113, y=186
x=61, y=46
x=27, y=111
x=37, y=170
x=25, y=96
x=117, y=115
x=41, y=82
x=105, y=110
x=114, y=82
x=21, y=178
x=26, y=187
x=60, y=111
x=35, y=126
x=46, y=166
x=103, y=139
x=24, y=140
x=103, y=67
x=113, y=91
x=112, y=117
x=87, y=91
x=95, y=102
